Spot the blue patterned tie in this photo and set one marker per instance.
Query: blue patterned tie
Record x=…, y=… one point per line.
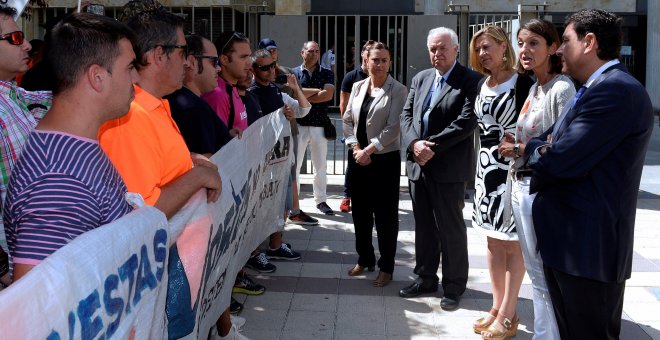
x=579, y=94
x=431, y=99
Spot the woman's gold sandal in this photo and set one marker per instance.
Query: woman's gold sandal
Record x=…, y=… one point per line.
x=482, y=323
x=510, y=329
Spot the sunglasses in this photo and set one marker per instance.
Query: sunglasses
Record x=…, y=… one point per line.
x=171, y=47
x=214, y=60
x=266, y=67
x=15, y=38
x=234, y=36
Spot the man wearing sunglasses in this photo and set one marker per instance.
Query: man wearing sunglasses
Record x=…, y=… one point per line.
x=147, y=147
x=20, y=110
x=204, y=132
x=234, y=53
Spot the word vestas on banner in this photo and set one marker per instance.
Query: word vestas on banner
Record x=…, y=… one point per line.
x=121, y=291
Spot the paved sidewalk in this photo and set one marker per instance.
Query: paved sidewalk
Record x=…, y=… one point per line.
x=314, y=298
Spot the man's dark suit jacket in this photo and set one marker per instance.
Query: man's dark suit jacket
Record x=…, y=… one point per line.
x=451, y=125
x=588, y=179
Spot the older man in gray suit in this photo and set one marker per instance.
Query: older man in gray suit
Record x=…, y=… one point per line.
x=437, y=124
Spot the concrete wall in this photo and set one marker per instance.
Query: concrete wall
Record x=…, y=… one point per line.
x=418, y=29
x=289, y=32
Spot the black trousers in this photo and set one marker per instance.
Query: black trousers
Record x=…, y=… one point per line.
x=440, y=231
x=350, y=165
x=375, y=198
x=585, y=308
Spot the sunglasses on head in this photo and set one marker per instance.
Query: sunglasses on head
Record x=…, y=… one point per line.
x=214, y=60
x=234, y=36
x=15, y=38
x=266, y=67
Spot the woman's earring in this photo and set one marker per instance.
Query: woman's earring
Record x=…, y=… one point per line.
x=504, y=58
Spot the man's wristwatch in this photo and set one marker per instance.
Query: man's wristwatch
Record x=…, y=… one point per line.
x=516, y=150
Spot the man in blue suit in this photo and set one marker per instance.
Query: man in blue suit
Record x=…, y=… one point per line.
x=587, y=172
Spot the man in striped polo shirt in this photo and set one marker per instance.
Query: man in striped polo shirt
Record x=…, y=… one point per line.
x=63, y=184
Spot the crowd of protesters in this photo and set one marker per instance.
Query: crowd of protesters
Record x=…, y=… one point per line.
x=136, y=106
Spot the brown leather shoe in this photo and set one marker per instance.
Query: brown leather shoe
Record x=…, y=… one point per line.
x=383, y=279
x=358, y=269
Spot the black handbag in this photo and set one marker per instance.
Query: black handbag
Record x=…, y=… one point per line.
x=329, y=130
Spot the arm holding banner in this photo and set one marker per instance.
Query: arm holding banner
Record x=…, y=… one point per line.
x=176, y=193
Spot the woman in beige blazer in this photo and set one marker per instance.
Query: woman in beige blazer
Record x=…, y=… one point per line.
x=372, y=132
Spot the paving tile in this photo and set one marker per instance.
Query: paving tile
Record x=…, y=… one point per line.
x=326, y=246
x=262, y=335
x=286, y=268
x=314, y=302
x=397, y=305
x=327, y=234
x=263, y=320
x=359, y=304
x=631, y=330
x=299, y=234
x=320, y=256
x=652, y=329
x=321, y=270
x=361, y=323
x=358, y=287
x=310, y=322
x=311, y=285
x=269, y=301
x=344, y=336
x=411, y=324
x=325, y=334
x=277, y=283
x=297, y=244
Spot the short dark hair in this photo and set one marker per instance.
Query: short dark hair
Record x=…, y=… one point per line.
x=195, y=44
x=80, y=41
x=548, y=31
x=604, y=25
x=8, y=11
x=226, y=41
x=262, y=53
x=366, y=45
x=153, y=24
x=377, y=45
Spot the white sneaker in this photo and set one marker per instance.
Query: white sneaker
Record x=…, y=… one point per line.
x=237, y=321
x=234, y=334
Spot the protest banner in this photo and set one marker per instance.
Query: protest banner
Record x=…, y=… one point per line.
x=111, y=282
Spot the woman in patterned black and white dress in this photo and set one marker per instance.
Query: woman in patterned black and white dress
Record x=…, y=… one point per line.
x=497, y=106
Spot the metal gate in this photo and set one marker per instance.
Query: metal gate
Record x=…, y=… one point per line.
x=207, y=21
x=349, y=32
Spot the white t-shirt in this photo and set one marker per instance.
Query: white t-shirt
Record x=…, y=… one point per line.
x=328, y=59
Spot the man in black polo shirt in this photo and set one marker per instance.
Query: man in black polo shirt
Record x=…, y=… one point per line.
x=204, y=132
x=318, y=87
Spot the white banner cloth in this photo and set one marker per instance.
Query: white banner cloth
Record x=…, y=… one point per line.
x=111, y=282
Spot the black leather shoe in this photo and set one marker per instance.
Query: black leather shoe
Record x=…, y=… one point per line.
x=417, y=288
x=450, y=302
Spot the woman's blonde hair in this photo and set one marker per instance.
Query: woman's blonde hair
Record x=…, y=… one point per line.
x=499, y=36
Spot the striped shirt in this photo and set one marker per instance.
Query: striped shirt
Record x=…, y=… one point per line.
x=61, y=187
x=20, y=110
